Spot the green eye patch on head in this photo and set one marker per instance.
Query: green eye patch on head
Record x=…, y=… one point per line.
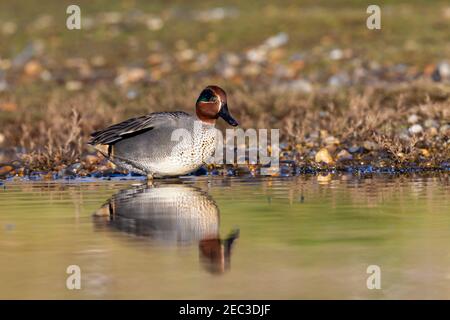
x=207, y=96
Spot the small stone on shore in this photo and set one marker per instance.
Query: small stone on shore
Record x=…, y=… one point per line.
x=415, y=129
x=344, y=155
x=324, y=156
x=414, y=118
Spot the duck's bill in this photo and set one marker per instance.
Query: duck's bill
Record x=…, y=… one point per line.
x=225, y=115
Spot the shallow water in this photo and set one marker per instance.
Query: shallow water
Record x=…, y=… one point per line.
x=274, y=238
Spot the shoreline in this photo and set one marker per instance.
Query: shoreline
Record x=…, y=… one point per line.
x=286, y=170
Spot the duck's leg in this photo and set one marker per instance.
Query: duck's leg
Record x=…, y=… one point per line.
x=150, y=179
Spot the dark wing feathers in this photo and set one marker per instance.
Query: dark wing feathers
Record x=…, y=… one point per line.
x=132, y=126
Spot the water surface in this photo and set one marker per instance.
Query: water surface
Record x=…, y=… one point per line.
x=205, y=237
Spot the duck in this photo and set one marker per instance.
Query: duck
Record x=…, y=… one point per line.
x=166, y=144
x=170, y=214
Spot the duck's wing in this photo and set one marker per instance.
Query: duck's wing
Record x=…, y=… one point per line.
x=135, y=126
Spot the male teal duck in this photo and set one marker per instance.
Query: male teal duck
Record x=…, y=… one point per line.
x=152, y=145
x=171, y=214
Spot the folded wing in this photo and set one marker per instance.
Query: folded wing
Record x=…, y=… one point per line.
x=135, y=126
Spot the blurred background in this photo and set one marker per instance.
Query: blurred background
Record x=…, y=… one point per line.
x=349, y=102
x=311, y=68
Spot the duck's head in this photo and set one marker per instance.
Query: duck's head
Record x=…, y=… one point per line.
x=212, y=104
x=215, y=254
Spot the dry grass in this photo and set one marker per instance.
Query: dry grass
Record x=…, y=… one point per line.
x=57, y=136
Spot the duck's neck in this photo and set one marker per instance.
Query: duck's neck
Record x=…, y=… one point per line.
x=209, y=122
x=206, y=112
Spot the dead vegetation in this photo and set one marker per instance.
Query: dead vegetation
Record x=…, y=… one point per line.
x=373, y=125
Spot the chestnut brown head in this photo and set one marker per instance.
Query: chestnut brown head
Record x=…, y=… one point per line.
x=215, y=254
x=212, y=104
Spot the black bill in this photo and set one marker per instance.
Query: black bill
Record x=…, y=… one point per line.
x=225, y=115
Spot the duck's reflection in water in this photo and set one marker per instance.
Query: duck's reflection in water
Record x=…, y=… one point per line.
x=174, y=214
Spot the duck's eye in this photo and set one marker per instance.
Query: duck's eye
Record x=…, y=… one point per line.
x=207, y=96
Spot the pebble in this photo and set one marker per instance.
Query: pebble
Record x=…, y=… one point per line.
x=339, y=80
x=98, y=61
x=91, y=159
x=431, y=123
x=277, y=40
x=33, y=68
x=132, y=94
x=299, y=85
x=355, y=149
x=3, y=85
x=251, y=69
x=5, y=169
x=444, y=129
x=46, y=75
x=132, y=75
x=73, y=169
x=370, y=145
x=9, y=28
x=442, y=72
x=110, y=17
x=344, y=155
x=216, y=14
x=185, y=55
x=404, y=136
x=425, y=152
x=8, y=107
x=415, y=129
x=154, y=23
x=324, y=156
x=74, y=85
x=256, y=55
x=433, y=131
x=336, y=54
x=47, y=176
x=331, y=140
x=414, y=118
